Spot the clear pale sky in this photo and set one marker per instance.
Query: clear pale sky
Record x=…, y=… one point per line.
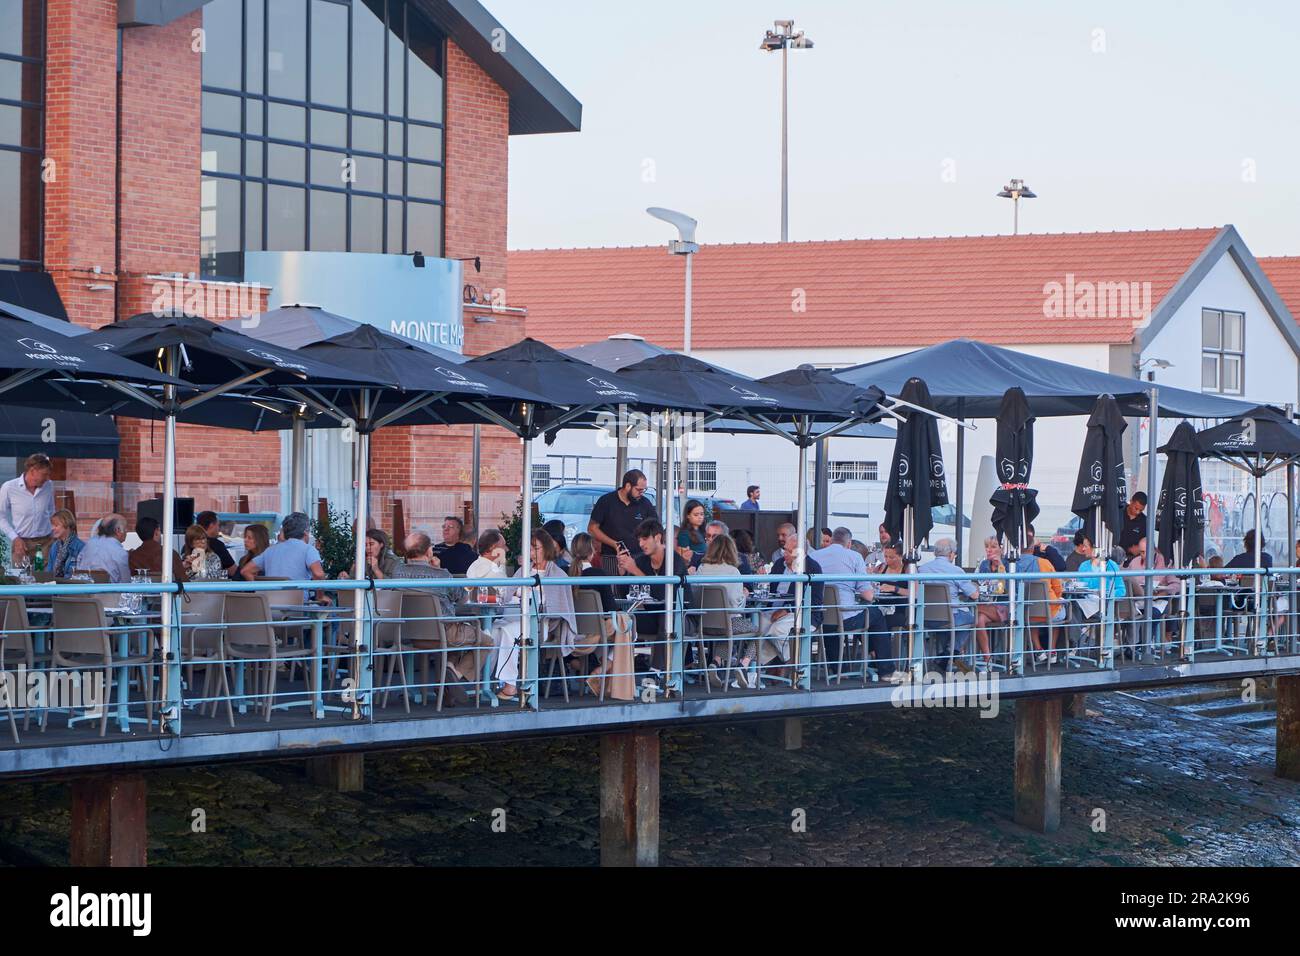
x=1166, y=128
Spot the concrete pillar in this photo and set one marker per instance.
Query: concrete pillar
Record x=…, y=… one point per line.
x=784, y=732
x=1288, y=727
x=344, y=773
x=109, y=821
x=1038, y=764
x=1074, y=705
x=629, y=799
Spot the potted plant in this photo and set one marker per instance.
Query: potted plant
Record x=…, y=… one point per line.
x=512, y=529
x=335, y=542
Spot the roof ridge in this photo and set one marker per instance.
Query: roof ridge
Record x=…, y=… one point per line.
x=883, y=239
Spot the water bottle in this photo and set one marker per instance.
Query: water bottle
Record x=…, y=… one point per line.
x=39, y=563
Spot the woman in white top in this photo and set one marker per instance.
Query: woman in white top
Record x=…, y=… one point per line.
x=561, y=624
x=722, y=559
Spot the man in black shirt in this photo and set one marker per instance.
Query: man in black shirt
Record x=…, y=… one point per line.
x=1246, y=559
x=651, y=561
x=454, y=555
x=207, y=520
x=618, y=515
x=1040, y=550
x=1135, y=520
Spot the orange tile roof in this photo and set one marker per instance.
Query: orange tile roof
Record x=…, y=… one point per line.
x=1284, y=273
x=857, y=292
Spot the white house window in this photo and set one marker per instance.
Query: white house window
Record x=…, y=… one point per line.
x=541, y=478
x=854, y=471
x=703, y=476
x=1223, y=351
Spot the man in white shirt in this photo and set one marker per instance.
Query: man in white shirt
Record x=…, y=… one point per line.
x=104, y=551
x=26, y=503
x=839, y=558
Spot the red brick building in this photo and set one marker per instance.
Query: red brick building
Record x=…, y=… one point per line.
x=139, y=140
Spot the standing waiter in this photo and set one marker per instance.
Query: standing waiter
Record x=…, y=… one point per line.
x=26, y=503
x=616, y=517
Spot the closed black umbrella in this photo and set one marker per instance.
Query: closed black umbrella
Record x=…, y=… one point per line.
x=1101, y=490
x=1014, y=503
x=916, y=477
x=1180, y=521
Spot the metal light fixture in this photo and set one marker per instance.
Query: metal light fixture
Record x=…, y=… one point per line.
x=478, y=263
x=784, y=38
x=1016, y=190
x=683, y=245
x=1153, y=364
x=418, y=259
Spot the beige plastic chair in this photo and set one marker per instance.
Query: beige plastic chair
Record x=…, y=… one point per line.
x=81, y=640
x=714, y=619
x=386, y=632
x=937, y=608
x=16, y=650
x=251, y=636
x=203, y=646
x=589, y=610
x=423, y=631
x=1038, y=604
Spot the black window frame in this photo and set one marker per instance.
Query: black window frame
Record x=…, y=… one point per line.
x=385, y=156
x=38, y=150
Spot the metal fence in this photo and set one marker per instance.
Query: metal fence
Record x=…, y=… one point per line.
x=89, y=660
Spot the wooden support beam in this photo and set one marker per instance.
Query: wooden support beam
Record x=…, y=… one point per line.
x=344, y=773
x=629, y=799
x=1074, y=705
x=784, y=732
x=1288, y=727
x=1038, y=764
x=109, y=821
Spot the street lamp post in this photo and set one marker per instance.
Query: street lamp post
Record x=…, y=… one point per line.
x=1016, y=190
x=684, y=245
x=784, y=38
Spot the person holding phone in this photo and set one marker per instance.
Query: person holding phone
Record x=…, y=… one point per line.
x=618, y=515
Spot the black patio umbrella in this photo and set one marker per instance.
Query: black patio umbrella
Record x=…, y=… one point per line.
x=1180, y=521
x=421, y=387
x=576, y=387
x=297, y=326
x=1258, y=442
x=1100, y=492
x=1014, y=503
x=41, y=367
x=916, y=475
x=721, y=390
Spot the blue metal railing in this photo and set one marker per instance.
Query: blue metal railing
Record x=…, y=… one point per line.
x=220, y=670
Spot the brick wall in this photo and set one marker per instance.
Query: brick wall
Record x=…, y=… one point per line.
x=80, y=197
x=151, y=226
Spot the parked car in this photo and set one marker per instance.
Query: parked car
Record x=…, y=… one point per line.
x=1063, y=540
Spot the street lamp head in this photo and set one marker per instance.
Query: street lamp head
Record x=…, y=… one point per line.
x=800, y=42
x=1016, y=189
x=683, y=223
x=772, y=42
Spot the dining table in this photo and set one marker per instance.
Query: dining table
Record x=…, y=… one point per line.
x=316, y=615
